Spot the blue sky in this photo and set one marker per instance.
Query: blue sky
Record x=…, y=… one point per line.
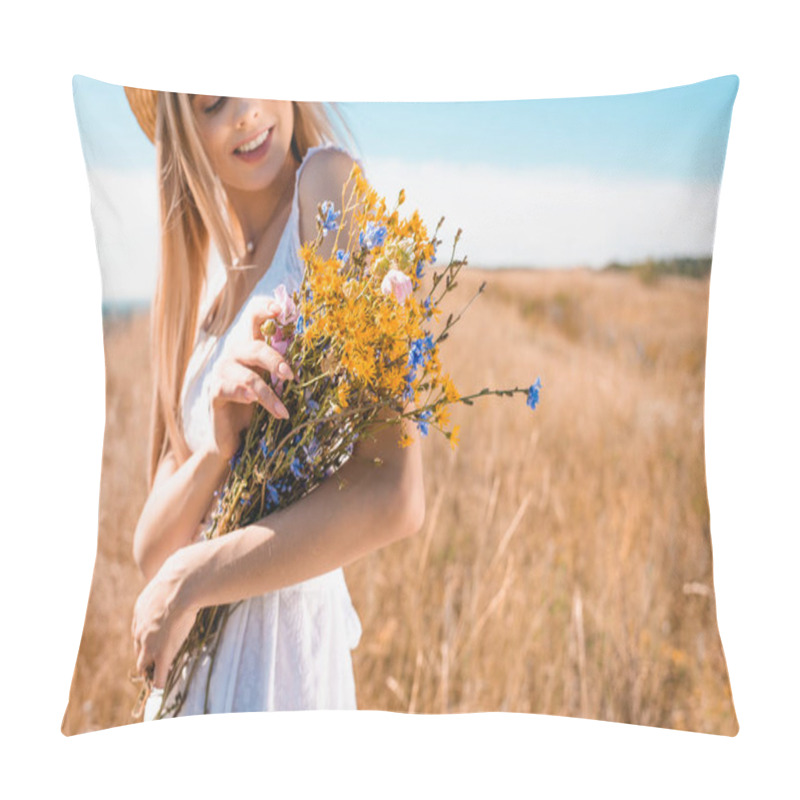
x=667, y=133
x=548, y=183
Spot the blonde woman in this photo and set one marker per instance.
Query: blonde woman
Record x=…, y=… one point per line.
x=247, y=176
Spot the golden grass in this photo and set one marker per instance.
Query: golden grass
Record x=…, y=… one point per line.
x=565, y=562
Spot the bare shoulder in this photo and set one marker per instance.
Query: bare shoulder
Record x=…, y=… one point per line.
x=324, y=176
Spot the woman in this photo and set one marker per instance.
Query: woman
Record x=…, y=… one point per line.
x=248, y=175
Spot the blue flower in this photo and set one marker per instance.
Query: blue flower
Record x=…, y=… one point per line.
x=311, y=450
x=297, y=468
x=265, y=451
x=236, y=456
x=342, y=255
x=274, y=497
x=422, y=423
x=300, y=326
x=312, y=404
x=329, y=217
x=420, y=268
x=533, y=395
x=419, y=352
x=415, y=356
x=373, y=236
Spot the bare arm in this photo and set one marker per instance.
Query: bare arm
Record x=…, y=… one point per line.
x=366, y=506
x=182, y=494
x=175, y=507
x=329, y=528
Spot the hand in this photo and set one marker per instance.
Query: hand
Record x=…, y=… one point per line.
x=161, y=623
x=236, y=385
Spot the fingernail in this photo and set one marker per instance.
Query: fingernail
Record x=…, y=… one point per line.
x=282, y=411
x=284, y=371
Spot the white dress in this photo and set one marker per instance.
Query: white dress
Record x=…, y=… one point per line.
x=288, y=649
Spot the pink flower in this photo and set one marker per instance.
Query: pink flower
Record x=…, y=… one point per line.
x=398, y=284
x=287, y=314
x=283, y=314
x=279, y=342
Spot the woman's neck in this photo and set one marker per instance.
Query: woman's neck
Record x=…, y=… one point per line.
x=256, y=211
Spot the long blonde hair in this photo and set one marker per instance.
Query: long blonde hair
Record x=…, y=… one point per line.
x=194, y=211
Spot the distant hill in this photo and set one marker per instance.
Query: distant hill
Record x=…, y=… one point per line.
x=652, y=269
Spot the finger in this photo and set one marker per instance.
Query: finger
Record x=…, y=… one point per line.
x=260, y=354
x=160, y=674
x=243, y=379
x=268, y=397
x=143, y=660
x=239, y=384
x=269, y=309
x=228, y=389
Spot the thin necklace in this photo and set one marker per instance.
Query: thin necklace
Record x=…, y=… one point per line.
x=250, y=245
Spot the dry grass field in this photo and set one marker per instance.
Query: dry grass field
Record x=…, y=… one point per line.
x=565, y=564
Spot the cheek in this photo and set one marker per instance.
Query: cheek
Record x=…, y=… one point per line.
x=214, y=143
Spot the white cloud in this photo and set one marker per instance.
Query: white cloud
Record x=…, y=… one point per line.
x=552, y=217
x=525, y=217
x=125, y=215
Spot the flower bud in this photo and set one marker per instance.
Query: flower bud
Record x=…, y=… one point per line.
x=268, y=329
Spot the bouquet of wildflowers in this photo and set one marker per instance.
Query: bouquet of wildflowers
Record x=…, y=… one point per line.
x=361, y=341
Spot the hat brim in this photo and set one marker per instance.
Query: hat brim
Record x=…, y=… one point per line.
x=143, y=103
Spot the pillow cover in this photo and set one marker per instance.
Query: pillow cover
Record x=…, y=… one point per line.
x=564, y=565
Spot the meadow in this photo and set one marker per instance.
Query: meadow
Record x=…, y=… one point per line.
x=565, y=563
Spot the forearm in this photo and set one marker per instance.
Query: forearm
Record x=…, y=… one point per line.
x=329, y=528
x=175, y=508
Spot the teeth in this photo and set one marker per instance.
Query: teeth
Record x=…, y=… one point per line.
x=252, y=145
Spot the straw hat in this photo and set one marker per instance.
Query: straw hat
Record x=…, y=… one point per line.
x=143, y=104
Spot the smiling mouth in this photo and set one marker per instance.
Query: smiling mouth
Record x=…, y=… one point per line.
x=253, y=144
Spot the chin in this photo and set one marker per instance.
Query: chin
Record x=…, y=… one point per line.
x=255, y=177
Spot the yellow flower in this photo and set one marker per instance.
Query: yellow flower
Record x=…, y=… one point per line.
x=442, y=416
x=453, y=437
x=450, y=391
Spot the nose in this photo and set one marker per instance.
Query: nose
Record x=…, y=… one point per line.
x=247, y=112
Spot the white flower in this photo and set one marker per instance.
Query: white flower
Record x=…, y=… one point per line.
x=398, y=284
